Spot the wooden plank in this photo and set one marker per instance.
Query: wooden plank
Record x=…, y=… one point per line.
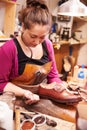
x=45, y=106
x=65, y=51
x=9, y=22
x=48, y=107
x=17, y=119
x=59, y=55
x=60, y=124
x=8, y=1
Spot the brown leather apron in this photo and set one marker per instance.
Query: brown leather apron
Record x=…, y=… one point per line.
x=32, y=75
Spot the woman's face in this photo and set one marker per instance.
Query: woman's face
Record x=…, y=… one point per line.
x=35, y=35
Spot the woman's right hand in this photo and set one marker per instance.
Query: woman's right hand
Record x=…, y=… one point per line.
x=31, y=97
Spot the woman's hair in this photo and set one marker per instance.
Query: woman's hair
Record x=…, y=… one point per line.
x=36, y=12
x=28, y=2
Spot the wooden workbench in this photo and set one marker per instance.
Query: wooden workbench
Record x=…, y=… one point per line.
x=45, y=106
x=60, y=124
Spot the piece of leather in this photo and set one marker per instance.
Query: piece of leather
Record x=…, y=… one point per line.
x=33, y=74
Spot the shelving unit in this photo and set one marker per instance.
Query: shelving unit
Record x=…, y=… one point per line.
x=80, y=19
x=9, y=19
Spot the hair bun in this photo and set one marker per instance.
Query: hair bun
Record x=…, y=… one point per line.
x=35, y=2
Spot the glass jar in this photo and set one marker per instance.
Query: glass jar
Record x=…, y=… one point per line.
x=7, y=105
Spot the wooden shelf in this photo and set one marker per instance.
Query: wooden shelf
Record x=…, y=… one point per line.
x=80, y=19
x=8, y=1
x=9, y=19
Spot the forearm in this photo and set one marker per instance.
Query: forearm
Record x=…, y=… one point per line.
x=31, y=98
x=13, y=88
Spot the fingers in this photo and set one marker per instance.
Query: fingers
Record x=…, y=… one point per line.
x=28, y=101
x=31, y=98
x=36, y=97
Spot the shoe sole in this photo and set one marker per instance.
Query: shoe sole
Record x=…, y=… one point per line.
x=60, y=101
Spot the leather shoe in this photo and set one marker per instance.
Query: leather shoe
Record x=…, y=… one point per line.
x=59, y=95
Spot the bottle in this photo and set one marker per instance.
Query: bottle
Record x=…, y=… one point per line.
x=75, y=74
x=81, y=77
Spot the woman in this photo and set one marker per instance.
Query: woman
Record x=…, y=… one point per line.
x=29, y=58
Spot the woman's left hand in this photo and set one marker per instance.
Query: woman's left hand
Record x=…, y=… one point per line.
x=31, y=98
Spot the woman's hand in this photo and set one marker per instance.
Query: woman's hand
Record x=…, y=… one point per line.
x=60, y=86
x=30, y=97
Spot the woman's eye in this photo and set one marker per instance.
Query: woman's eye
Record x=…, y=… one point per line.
x=42, y=37
x=33, y=37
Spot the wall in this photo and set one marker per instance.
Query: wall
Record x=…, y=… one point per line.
x=22, y=4
x=80, y=24
x=52, y=4
x=82, y=55
x=2, y=12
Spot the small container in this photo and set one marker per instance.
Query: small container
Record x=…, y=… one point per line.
x=39, y=120
x=9, y=98
x=28, y=124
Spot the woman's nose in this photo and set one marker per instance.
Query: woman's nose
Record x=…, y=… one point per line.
x=37, y=41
